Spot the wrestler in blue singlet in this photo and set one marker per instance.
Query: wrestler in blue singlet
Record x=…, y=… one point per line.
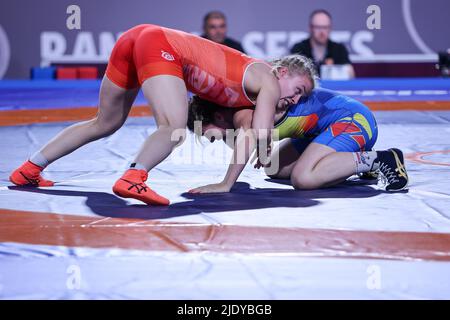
x=329, y=118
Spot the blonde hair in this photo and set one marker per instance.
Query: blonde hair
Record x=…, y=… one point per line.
x=297, y=65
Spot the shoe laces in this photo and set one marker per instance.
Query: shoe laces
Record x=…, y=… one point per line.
x=387, y=174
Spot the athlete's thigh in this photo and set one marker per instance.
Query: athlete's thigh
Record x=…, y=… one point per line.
x=167, y=96
x=311, y=157
x=114, y=102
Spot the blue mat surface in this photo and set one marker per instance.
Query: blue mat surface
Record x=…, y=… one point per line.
x=19, y=95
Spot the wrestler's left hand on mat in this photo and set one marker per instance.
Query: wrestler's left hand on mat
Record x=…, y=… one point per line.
x=211, y=188
x=259, y=165
x=256, y=160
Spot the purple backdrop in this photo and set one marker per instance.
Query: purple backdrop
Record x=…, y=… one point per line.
x=34, y=33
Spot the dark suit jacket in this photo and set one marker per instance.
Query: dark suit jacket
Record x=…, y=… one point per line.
x=336, y=51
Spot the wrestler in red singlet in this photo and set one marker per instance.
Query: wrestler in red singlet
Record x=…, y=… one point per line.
x=211, y=70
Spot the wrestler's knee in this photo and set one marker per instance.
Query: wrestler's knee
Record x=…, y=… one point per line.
x=105, y=127
x=304, y=180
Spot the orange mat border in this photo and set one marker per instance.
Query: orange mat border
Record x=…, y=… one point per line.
x=418, y=157
x=23, y=117
x=43, y=228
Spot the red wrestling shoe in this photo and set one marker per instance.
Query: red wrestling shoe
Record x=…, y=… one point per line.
x=29, y=174
x=132, y=185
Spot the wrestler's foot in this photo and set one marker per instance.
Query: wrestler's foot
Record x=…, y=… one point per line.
x=392, y=169
x=132, y=185
x=29, y=174
x=371, y=175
